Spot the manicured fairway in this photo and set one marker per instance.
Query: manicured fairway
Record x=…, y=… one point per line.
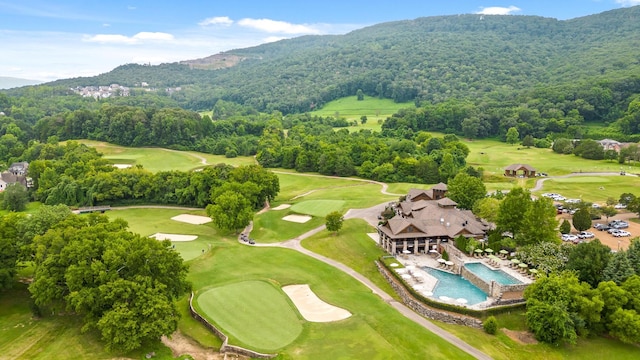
x=253, y=312
x=593, y=188
x=349, y=107
x=318, y=208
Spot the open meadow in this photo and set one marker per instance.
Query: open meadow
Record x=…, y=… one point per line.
x=160, y=159
x=376, y=110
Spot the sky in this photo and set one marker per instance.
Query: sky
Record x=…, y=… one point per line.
x=53, y=39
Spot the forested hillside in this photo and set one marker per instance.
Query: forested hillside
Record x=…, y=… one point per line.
x=426, y=59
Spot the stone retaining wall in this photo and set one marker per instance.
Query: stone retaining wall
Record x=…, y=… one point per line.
x=477, y=281
x=225, y=346
x=419, y=307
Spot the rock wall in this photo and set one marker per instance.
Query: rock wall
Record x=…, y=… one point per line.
x=422, y=309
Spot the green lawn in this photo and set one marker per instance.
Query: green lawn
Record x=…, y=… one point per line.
x=150, y=221
x=52, y=337
x=375, y=330
x=319, y=208
x=269, y=227
x=593, y=188
x=252, y=312
x=373, y=108
x=352, y=247
x=159, y=159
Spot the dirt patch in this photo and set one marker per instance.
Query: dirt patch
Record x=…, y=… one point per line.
x=521, y=337
x=173, y=237
x=311, y=307
x=282, y=207
x=183, y=345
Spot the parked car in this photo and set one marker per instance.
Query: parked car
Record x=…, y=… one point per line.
x=586, y=235
x=619, y=224
x=573, y=201
x=601, y=227
x=595, y=206
x=620, y=233
x=620, y=206
x=569, y=237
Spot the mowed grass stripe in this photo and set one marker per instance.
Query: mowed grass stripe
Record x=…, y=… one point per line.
x=253, y=312
x=318, y=208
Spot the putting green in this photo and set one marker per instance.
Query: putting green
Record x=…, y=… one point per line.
x=253, y=312
x=318, y=208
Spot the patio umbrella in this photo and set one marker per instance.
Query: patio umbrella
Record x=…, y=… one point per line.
x=449, y=263
x=401, y=270
x=441, y=261
x=515, y=261
x=503, y=252
x=489, y=250
x=523, y=265
x=479, y=251
x=533, y=271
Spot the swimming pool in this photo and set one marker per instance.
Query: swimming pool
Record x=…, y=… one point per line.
x=487, y=274
x=455, y=287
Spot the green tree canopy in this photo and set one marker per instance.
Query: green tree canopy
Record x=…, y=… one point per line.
x=230, y=211
x=589, y=259
x=466, y=190
x=582, y=219
x=15, y=197
x=334, y=221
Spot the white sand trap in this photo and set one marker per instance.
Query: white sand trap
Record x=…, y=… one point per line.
x=297, y=218
x=312, y=307
x=374, y=236
x=122, y=166
x=174, y=237
x=282, y=207
x=192, y=219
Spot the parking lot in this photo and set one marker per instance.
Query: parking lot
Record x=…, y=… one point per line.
x=613, y=242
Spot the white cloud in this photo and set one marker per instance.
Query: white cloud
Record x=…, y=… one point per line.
x=628, y=2
x=274, y=26
x=497, y=10
x=123, y=39
x=217, y=20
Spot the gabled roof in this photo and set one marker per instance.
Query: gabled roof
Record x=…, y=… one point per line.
x=520, y=167
x=446, y=202
x=440, y=186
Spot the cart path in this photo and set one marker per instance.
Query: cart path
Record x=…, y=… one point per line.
x=295, y=244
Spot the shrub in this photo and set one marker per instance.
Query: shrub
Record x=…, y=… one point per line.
x=490, y=325
x=565, y=227
x=445, y=255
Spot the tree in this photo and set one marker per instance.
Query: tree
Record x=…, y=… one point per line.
x=9, y=248
x=487, y=208
x=633, y=253
x=334, y=221
x=15, y=197
x=589, y=259
x=490, y=325
x=626, y=198
x=466, y=190
x=565, y=227
x=363, y=119
x=619, y=268
x=230, y=211
x=582, y=219
x=512, y=209
x=528, y=141
x=359, y=95
x=625, y=325
x=539, y=223
x=513, y=136
x=608, y=211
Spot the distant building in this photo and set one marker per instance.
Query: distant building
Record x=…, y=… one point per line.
x=427, y=218
x=17, y=173
x=520, y=170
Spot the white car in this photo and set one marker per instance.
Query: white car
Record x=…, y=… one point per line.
x=573, y=201
x=595, y=206
x=559, y=198
x=620, y=233
x=620, y=206
x=586, y=235
x=569, y=237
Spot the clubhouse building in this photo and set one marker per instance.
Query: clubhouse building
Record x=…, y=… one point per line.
x=427, y=218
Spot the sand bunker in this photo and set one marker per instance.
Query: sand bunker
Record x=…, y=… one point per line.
x=312, y=307
x=297, y=218
x=174, y=237
x=122, y=166
x=192, y=219
x=281, y=207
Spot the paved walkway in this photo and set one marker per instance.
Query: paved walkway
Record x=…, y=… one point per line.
x=294, y=244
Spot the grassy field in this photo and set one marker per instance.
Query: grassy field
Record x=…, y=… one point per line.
x=375, y=330
x=159, y=159
x=593, y=188
x=319, y=208
x=252, y=312
x=352, y=247
x=376, y=110
x=53, y=337
x=150, y=221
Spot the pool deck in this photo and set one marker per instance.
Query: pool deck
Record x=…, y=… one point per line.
x=422, y=281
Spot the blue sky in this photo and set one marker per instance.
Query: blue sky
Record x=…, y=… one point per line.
x=50, y=39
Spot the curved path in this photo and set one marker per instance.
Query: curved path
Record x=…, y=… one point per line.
x=294, y=244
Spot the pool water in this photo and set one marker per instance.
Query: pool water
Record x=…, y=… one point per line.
x=455, y=287
x=487, y=274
